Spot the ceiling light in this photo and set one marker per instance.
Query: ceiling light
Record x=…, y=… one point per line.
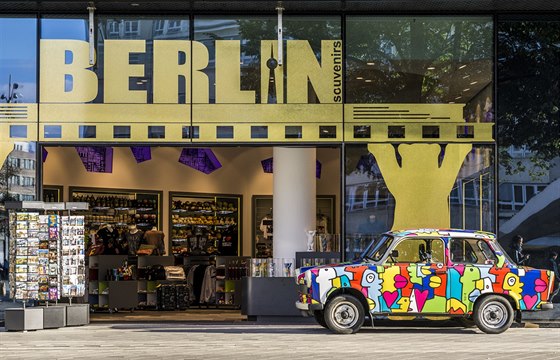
x=474, y=82
x=458, y=97
x=465, y=90
x=134, y=4
x=466, y=76
x=452, y=102
x=462, y=66
x=431, y=68
x=359, y=78
x=139, y=83
x=371, y=63
x=368, y=80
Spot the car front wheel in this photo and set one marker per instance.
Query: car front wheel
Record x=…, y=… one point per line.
x=493, y=314
x=344, y=314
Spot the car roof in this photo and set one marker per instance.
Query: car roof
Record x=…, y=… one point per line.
x=460, y=233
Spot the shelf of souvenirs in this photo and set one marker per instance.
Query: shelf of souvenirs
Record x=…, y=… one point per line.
x=180, y=221
x=117, y=202
x=121, y=219
x=203, y=207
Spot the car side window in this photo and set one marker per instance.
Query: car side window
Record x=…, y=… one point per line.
x=471, y=251
x=421, y=251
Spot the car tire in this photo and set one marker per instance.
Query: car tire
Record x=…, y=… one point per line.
x=344, y=314
x=493, y=314
x=320, y=318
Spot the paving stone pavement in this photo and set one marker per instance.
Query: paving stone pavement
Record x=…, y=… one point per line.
x=253, y=341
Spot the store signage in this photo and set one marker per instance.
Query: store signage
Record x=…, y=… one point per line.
x=203, y=160
x=68, y=77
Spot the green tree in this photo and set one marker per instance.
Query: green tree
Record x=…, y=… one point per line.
x=529, y=92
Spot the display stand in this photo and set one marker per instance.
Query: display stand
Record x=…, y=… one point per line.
x=266, y=297
x=37, y=246
x=23, y=319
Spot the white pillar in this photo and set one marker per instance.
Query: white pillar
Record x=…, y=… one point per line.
x=294, y=199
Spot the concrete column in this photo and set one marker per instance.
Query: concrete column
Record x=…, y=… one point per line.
x=294, y=199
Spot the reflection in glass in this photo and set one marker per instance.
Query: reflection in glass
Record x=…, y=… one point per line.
x=17, y=174
x=251, y=31
x=370, y=206
x=528, y=132
x=421, y=60
x=18, y=60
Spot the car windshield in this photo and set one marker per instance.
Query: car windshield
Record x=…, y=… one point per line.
x=377, y=248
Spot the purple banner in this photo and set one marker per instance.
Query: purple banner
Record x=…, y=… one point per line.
x=268, y=167
x=45, y=154
x=202, y=160
x=141, y=153
x=96, y=158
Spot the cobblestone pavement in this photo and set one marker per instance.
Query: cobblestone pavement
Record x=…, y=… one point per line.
x=254, y=341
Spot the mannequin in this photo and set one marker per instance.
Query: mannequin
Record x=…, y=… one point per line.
x=110, y=237
x=155, y=237
x=133, y=237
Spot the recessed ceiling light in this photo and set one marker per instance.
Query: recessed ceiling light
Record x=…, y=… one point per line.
x=452, y=102
x=359, y=78
x=134, y=4
x=371, y=63
x=458, y=97
x=368, y=80
x=462, y=66
x=465, y=90
x=431, y=68
x=466, y=76
x=474, y=82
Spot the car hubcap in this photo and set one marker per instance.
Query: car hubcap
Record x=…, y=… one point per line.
x=494, y=315
x=346, y=315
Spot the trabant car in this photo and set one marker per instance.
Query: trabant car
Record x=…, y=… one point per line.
x=426, y=273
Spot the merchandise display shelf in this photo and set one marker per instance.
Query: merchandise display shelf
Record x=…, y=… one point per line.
x=205, y=224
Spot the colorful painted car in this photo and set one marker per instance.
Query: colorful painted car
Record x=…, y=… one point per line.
x=428, y=273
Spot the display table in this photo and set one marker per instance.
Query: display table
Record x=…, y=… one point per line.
x=23, y=319
x=54, y=316
x=269, y=297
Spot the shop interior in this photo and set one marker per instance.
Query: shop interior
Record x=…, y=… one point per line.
x=160, y=212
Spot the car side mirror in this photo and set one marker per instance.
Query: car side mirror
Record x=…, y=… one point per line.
x=395, y=253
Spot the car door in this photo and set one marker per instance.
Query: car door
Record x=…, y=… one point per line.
x=415, y=277
x=469, y=273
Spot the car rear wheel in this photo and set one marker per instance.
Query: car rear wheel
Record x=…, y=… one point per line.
x=320, y=318
x=344, y=314
x=493, y=314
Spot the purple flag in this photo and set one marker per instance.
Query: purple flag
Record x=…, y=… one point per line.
x=141, y=153
x=268, y=167
x=202, y=160
x=45, y=154
x=96, y=158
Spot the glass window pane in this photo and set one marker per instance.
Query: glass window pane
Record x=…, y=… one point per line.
x=293, y=132
x=528, y=122
x=156, y=132
x=250, y=31
x=259, y=132
x=18, y=131
x=87, y=132
x=327, y=132
x=53, y=131
x=121, y=132
x=224, y=132
x=18, y=60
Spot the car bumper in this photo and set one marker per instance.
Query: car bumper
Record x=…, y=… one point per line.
x=308, y=307
x=547, y=306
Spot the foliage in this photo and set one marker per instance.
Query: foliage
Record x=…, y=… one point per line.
x=529, y=92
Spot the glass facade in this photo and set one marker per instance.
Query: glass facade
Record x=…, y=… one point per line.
x=528, y=131
x=398, y=63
